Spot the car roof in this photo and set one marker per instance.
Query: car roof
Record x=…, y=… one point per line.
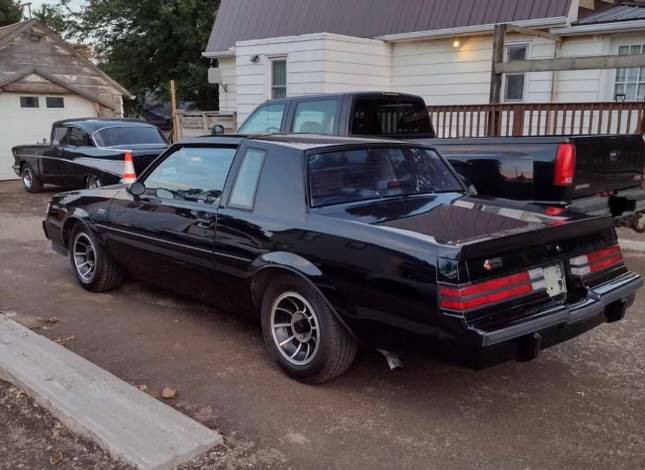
x=298, y=141
x=95, y=124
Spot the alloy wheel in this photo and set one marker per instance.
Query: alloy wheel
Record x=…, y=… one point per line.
x=295, y=328
x=84, y=257
x=27, y=178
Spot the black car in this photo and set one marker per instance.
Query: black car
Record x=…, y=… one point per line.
x=87, y=153
x=337, y=242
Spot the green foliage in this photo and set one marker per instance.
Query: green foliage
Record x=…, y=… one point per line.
x=10, y=12
x=144, y=44
x=57, y=16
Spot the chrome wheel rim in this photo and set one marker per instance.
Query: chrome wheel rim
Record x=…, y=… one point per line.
x=27, y=179
x=295, y=328
x=84, y=257
x=93, y=183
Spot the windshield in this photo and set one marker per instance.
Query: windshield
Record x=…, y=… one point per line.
x=390, y=116
x=376, y=173
x=120, y=136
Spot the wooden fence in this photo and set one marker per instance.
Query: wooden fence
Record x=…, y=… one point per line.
x=536, y=119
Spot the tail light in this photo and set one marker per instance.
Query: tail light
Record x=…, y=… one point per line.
x=596, y=261
x=565, y=165
x=486, y=293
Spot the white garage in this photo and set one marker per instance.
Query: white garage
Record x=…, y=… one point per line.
x=44, y=79
x=27, y=119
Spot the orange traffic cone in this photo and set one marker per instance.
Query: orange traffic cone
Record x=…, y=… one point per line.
x=129, y=176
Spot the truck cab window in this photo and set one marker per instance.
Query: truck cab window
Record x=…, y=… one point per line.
x=390, y=116
x=59, y=136
x=315, y=117
x=191, y=174
x=265, y=119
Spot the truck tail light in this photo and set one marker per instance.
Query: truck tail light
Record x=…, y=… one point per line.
x=596, y=261
x=565, y=165
x=485, y=293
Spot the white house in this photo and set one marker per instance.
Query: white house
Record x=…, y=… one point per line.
x=439, y=49
x=44, y=79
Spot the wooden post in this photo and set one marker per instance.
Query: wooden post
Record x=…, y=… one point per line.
x=494, y=122
x=173, y=107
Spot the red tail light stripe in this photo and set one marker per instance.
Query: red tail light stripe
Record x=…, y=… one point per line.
x=596, y=261
x=485, y=286
x=487, y=299
x=596, y=255
x=597, y=266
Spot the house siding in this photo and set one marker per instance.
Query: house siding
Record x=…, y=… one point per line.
x=433, y=69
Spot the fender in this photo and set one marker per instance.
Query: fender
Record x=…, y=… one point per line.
x=305, y=270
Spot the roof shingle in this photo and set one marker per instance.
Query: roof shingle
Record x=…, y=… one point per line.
x=240, y=20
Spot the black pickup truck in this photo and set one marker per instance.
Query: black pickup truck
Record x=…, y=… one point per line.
x=594, y=174
x=87, y=153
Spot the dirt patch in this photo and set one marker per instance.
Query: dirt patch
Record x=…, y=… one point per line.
x=33, y=438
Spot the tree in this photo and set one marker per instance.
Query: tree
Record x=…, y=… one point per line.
x=57, y=16
x=10, y=12
x=144, y=44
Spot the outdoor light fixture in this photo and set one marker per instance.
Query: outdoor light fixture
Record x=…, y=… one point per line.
x=456, y=43
x=255, y=59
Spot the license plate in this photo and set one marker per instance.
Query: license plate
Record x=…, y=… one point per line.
x=554, y=280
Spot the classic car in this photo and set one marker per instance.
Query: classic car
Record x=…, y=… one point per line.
x=87, y=153
x=336, y=242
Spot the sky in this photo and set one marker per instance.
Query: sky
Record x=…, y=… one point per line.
x=36, y=3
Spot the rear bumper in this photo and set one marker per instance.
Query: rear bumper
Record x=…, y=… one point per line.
x=622, y=204
x=524, y=340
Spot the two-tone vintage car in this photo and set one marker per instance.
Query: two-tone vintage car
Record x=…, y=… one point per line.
x=336, y=242
x=87, y=153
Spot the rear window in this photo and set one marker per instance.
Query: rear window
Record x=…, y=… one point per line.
x=377, y=173
x=120, y=136
x=390, y=116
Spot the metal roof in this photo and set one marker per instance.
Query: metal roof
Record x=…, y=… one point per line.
x=241, y=20
x=618, y=13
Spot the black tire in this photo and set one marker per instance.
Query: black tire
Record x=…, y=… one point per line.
x=93, y=182
x=638, y=222
x=336, y=348
x=106, y=274
x=30, y=180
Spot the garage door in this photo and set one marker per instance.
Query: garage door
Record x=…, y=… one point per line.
x=26, y=119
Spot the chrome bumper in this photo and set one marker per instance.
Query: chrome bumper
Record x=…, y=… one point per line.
x=598, y=299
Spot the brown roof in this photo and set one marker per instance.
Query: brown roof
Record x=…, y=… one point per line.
x=240, y=20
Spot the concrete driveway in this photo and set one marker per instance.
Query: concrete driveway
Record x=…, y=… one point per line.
x=579, y=405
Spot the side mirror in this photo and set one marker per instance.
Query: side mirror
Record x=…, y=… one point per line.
x=217, y=129
x=137, y=189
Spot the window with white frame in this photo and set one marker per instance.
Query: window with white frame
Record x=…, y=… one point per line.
x=279, y=78
x=515, y=82
x=630, y=82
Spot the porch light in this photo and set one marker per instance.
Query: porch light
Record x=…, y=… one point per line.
x=456, y=43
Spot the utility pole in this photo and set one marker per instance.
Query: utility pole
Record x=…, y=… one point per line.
x=173, y=104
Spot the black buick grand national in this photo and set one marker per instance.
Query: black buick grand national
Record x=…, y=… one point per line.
x=340, y=242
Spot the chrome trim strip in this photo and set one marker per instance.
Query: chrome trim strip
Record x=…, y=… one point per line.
x=181, y=245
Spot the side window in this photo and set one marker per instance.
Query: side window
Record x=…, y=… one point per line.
x=265, y=119
x=278, y=78
x=59, y=136
x=29, y=102
x=315, y=117
x=514, y=89
x=78, y=137
x=55, y=102
x=191, y=174
x=246, y=181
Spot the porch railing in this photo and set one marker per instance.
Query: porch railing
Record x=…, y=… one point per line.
x=536, y=119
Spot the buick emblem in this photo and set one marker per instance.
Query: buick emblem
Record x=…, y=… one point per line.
x=494, y=263
x=487, y=265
